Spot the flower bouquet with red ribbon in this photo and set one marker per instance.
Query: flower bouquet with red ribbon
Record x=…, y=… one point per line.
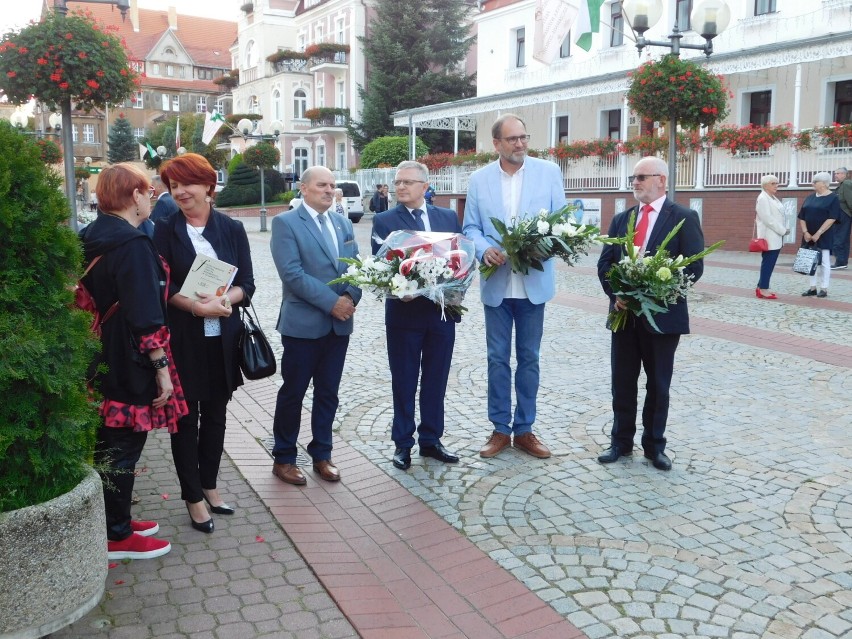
x=437, y=266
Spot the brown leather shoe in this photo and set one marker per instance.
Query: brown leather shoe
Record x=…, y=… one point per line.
x=289, y=474
x=495, y=443
x=325, y=469
x=529, y=444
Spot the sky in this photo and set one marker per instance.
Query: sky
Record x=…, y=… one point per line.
x=17, y=13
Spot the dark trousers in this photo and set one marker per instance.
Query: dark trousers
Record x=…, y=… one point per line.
x=304, y=360
x=117, y=450
x=425, y=353
x=767, y=265
x=198, y=444
x=841, y=240
x=632, y=348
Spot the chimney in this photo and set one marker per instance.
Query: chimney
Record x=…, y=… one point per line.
x=134, y=15
x=172, y=18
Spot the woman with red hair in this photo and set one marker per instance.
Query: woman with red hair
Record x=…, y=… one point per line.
x=139, y=384
x=205, y=329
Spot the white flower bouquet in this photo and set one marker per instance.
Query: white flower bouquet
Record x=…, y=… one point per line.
x=649, y=284
x=437, y=266
x=529, y=242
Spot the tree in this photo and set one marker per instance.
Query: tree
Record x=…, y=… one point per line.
x=389, y=151
x=191, y=128
x=414, y=52
x=122, y=144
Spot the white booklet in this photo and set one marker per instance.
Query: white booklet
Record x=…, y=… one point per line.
x=208, y=275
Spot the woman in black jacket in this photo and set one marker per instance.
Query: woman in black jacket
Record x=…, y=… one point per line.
x=205, y=328
x=139, y=383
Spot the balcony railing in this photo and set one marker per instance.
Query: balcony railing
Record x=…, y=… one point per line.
x=290, y=65
x=331, y=57
x=328, y=118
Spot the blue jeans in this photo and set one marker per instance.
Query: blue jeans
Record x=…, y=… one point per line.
x=767, y=265
x=841, y=240
x=528, y=320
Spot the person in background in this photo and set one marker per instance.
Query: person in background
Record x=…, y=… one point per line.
x=844, y=223
x=819, y=213
x=315, y=322
x=771, y=226
x=419, y=340
x=204, y=331
x=166, y=204
x=428, y=196
x=512, y=187
x=139, y=382
x=340, y=205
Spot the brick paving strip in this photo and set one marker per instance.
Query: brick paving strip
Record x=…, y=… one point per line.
x=394, y=567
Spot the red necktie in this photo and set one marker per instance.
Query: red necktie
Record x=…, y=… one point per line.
x=642, y=226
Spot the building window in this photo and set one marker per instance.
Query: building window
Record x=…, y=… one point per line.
x=843, y=102
x=277, y=105
x=616, y=20
x=166, y=101
x=254, y=105
x=74, y=135
x=301, y=42
x=762, y=7
x=341, y=156
x=89, y=133
x=300, y=104
x=300, y=161
x=611, y=124
x=170, y=70
x=319, y=33
x=339, y=31
x=321, y=154
x=181, y=72
x=520, y=47
x=565, y=49
x=341, y=95
x=176, y=102
x=138, y=66
x=220, y=106
x=156, y=68
x=250, y=58
x=562, y=122
x=201, y=104
x=760, y=107
x=138, y=102
x=139, y=133
x=683, y=10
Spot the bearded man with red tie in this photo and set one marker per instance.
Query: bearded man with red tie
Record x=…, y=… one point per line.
x=638, y=346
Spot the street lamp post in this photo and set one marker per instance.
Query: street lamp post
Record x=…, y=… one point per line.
x=709, y=18
x=60, y=8
x=245, y=127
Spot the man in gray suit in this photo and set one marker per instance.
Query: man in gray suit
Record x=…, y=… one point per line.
x=315, y=321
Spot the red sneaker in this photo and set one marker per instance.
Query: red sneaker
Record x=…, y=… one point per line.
x=137, y=547
x=145, y=528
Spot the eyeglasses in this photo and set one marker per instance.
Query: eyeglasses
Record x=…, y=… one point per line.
x=407, y=183
x=514, y=139
x=642, y=178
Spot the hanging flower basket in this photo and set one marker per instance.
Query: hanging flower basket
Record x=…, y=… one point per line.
x=750, y=138
x=602, y=149
x=672, y=87
x=65, y=57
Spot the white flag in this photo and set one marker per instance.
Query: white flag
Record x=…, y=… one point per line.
x=212, y=123
x=142, y=151
x=553, y=21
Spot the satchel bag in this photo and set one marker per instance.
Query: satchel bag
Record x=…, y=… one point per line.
x=806, y=261
x=757, y=244
x=256, y=357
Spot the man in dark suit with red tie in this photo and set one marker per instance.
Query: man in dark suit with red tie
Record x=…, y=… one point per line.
x=420, y=343
x=638, y=345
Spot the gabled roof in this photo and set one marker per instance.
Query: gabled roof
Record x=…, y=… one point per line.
x=206, y=40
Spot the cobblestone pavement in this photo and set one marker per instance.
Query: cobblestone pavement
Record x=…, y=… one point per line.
x=747, y=537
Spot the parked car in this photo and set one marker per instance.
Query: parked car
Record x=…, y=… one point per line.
x=352, y=194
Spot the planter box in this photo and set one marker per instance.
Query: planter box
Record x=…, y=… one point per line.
x=54, y=562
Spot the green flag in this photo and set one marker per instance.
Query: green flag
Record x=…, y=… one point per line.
x=588, y=22
x=151, y=150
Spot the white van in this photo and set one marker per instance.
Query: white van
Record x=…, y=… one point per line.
x=352, y=195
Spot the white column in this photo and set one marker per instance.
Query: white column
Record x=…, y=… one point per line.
x=622, y=159
x=797, y=108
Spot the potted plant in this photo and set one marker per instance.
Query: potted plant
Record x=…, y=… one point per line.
x=675, y=88
x=749, y=139
x=52, y=524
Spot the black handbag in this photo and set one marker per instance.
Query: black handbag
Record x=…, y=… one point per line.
x=256, y=357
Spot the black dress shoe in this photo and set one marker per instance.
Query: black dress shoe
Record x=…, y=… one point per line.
x=612, y=454
x=223, y=509
x=659, y=461
x=440, y=453
x=402, y=458
x=204, y=526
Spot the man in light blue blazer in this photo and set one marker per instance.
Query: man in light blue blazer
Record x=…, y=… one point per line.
x=513, y=187
x=315, y=321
